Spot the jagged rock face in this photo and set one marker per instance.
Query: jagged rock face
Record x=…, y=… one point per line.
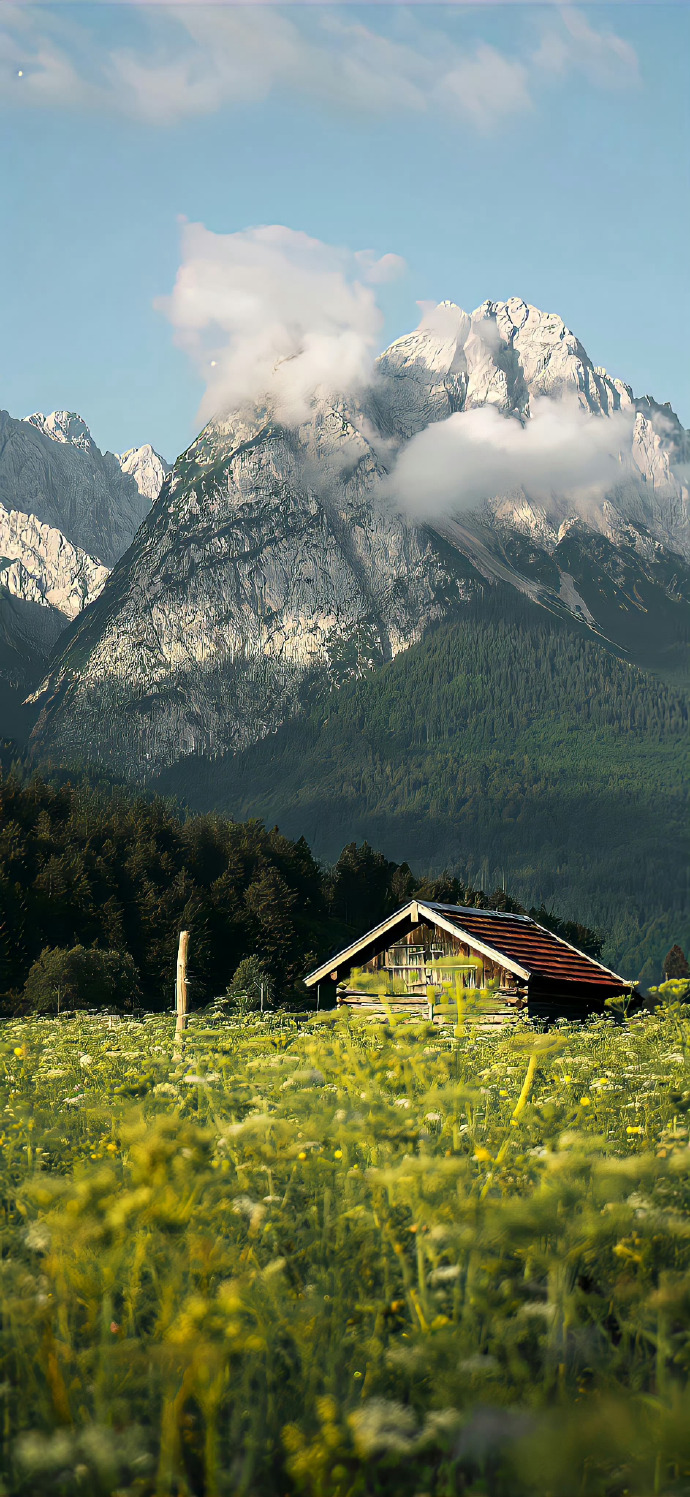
x=146, y=467
x=265, y=562
x=63, y=506
x=270, y=559
x=51, y=468
x=38, y=564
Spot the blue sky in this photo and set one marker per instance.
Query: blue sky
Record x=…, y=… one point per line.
x=499, y=150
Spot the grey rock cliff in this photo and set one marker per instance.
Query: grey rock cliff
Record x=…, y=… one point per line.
x=50, y=467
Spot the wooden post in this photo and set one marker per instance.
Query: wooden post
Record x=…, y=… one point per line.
x=181, y=986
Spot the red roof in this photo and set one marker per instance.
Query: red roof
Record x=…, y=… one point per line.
x=523, y=941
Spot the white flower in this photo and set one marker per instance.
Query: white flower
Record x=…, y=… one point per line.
x=85, y=1060
x=402, y=1102
x=446, y=1272
x=432, y=1117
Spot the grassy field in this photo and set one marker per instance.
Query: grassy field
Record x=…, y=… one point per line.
x=342, y=1259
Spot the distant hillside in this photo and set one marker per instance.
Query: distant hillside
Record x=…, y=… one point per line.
x=506, y=745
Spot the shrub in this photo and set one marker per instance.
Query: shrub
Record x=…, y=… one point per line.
x=249, y=989
x=81, y=977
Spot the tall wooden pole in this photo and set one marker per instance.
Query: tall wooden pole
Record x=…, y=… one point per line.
x=181, y=986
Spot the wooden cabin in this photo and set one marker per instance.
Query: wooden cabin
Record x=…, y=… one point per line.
x=427, y=957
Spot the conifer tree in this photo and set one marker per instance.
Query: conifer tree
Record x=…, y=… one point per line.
x=675, y=963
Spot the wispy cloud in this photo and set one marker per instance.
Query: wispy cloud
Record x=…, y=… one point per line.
x=270, y=315
x=572, y=44
x=196, y=59
x=560, y=452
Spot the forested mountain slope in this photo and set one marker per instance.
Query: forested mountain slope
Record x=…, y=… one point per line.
x=505, y=744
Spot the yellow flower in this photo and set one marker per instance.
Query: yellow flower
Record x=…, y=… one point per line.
x=567, y=1078
x=112, y=1148
x=338, y=1154
x=302, y=1155
x=481, y=1155
x=634, y=1130
x=585, y=1101
x=503, y=1094
x=20, y=1050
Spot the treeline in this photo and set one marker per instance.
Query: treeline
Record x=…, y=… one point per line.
x=100, y=869
x=505, y=742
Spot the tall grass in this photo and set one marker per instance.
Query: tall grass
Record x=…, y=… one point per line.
x=345, y=1259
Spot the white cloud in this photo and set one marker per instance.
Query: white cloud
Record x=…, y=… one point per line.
x=269, y=314
x=572, y=44
x=487, y=86
x=560, y=452
x=196, y=59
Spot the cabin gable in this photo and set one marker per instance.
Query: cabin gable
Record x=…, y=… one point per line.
x=426, y=953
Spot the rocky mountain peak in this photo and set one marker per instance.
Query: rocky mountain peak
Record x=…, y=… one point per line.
x=63, y=426
x=51, y=468
x=146, y=467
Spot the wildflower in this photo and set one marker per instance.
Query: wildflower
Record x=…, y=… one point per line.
x=635, y=1130
x=112, y=1148
x=482, y=1155
x=445, y=1273
x=402, y=1102
x=301, y=1154
x=85, y=1060
x=432, y=1117
x=338, y=1154
x=114, y=1327
x=503, y=1094
x=20, y=1050
x=585, y=1101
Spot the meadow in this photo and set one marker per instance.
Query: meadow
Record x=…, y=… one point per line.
x=341, y=1258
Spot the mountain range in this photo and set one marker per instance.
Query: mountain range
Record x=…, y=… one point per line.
x=281, y=568
x=67, y=513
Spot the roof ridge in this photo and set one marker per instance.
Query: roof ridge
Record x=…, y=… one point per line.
x=473, y=909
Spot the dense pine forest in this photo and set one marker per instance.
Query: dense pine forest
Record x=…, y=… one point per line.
x=507, y=746
x=84, y=869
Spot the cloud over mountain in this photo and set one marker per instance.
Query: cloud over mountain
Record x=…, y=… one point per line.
x=270, y=314
x=477, y=454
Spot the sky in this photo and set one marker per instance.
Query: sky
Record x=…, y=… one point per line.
x=428, y=152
